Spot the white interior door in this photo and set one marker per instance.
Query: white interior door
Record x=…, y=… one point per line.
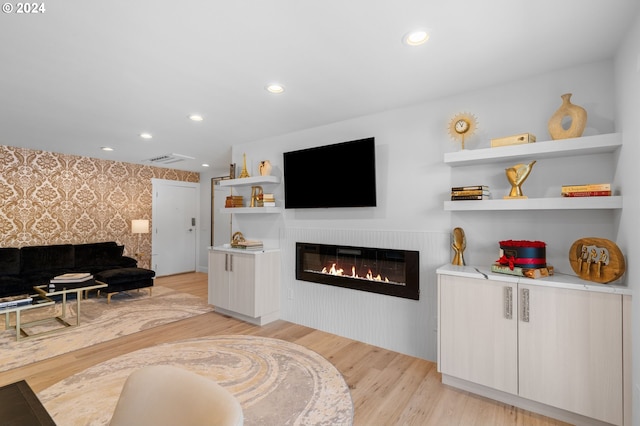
x=175, y=221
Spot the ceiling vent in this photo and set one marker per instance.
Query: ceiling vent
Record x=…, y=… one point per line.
x=169, y=158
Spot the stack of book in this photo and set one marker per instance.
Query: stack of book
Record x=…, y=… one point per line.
x=247, y=245
x=70, y=279
x=587, y=190
x=14, y=301
x=475, y=192
x=522, y=272
x=234, y=201
x=266, y=200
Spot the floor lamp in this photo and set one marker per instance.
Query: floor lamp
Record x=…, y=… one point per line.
x=139, y=226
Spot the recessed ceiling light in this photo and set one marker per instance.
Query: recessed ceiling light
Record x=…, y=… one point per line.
x=415, y=38
x=106, y=148
x=205, y=165
x=275, y=88
x=196, y=117
x=145, y=135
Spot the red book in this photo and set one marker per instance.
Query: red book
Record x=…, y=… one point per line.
x=586, y=194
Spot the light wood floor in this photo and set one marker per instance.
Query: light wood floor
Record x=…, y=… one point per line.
x=387, y=388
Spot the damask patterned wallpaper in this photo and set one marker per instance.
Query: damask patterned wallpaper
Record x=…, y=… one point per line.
x=50, y=198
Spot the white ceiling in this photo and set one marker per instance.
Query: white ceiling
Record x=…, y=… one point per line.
x=87, y=73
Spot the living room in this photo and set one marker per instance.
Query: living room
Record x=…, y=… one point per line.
x=413, y=182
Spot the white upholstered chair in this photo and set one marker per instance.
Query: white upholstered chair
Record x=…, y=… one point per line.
x=166, y=395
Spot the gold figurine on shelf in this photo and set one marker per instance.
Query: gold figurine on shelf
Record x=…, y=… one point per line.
x=244, y=173
x=256, y=193
x=516, y=176
x=458, y=245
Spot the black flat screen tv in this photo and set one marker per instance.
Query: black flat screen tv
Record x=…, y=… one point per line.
x=338, y=175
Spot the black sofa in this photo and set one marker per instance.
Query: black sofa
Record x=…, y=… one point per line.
x=23, y=268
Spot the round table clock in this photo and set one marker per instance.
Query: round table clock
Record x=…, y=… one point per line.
x=462, y=125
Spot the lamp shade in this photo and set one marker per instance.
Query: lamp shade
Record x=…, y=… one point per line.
x=140, y=226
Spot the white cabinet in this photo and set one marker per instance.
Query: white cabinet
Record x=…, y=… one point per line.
x=570, y=346
x=478, y=332
x=245, y=285
x=543, y=345
x=250, y=181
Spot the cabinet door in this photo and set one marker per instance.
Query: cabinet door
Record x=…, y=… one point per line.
x=570, y=345
x=242, y=284
x=218, y=279
x=478, y=331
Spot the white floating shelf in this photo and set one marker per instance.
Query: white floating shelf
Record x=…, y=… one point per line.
x=255, y=180
x=555, y=203
x=250, y=210
x=538, y=150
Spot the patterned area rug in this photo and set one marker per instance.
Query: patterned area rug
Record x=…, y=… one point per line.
x=127, y=313
x=276, y=382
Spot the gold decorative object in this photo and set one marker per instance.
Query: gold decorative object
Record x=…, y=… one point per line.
x=597, y=259
x=516, y=176
x=265, y=168
x=461, y=125
x=458, y=245
x=577, y=114
x=237, y=237
x=244, y=173
x=256, y=191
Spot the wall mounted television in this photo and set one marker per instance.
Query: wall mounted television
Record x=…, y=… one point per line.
x=338, y=175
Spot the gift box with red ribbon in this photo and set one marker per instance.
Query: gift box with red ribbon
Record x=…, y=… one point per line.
x=523, y=254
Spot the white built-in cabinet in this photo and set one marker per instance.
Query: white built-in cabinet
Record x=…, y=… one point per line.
x=553, y=345
x=245, y=284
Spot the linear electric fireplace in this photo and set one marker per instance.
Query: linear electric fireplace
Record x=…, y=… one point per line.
x=383, y=271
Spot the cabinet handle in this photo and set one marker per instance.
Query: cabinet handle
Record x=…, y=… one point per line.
x=508, y=302
x=226, y=261
x=525, y=305
x=230, y=263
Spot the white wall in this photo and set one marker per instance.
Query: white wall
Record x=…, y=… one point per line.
x=413, y=182
x=627, y=79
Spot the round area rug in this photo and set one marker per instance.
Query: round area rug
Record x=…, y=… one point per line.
x=275, y=381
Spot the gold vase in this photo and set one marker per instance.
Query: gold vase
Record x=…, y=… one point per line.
x=577, y=114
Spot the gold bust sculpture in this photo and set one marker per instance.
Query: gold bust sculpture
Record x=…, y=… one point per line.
x=458, y=245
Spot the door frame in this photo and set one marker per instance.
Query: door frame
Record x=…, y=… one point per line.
x=214, y=182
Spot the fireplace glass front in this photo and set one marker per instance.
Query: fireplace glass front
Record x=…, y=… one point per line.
x=377, y=270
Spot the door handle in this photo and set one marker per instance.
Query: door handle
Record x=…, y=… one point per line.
x=525, y=305
x=508, y=302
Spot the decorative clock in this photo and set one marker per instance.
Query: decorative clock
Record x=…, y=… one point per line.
x=462, y=125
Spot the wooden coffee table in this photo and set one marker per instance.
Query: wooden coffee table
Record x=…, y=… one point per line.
x=19, y=406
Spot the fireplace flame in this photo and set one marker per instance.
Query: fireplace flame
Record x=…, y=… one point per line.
x=333, y=270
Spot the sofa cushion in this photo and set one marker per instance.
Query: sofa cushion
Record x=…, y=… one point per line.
x=14, y=285
x=124, y=275
x=52, y=258
x=87, y=254
x=9, y=261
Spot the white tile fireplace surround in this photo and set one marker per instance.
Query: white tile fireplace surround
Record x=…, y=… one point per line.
x=403, y=325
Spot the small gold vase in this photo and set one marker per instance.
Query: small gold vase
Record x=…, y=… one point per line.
x=577, y=114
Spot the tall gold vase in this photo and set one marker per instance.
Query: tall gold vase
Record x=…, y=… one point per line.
x=577, y=114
